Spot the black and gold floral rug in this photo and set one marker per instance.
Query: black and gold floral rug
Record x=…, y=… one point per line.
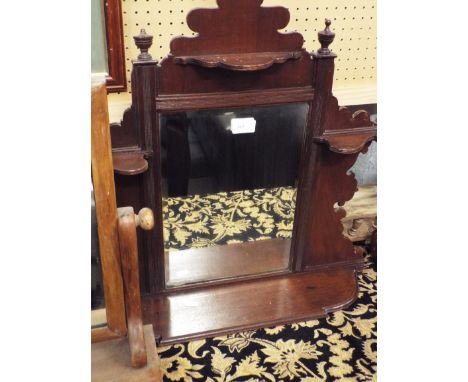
x=339, y=347
x=228, y=217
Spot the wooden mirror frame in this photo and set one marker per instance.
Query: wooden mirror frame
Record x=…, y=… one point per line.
x=117, y=234
x=106, y=218
x=116, y=80
x=240, y=59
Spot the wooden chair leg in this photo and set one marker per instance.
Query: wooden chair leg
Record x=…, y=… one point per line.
x=127, y=224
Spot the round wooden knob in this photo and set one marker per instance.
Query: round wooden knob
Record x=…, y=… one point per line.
x=145, y=219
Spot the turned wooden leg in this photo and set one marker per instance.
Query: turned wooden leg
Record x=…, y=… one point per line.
x=128, y=222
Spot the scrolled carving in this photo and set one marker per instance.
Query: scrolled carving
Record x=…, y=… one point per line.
x=344, y=136
x=346, y=132
x=240, y=62
x=241, y=26
x=348, y=186
x=125, y=133
x=341, y=118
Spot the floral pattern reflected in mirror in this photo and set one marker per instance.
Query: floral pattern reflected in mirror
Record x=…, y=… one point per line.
x=229, y=181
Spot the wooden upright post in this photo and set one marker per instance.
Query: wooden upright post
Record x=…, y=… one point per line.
x=335, y=139
x=128, y=222
x=144, y=92
x=324, y=67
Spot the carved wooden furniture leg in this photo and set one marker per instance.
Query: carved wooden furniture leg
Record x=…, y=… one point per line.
x=127, y=224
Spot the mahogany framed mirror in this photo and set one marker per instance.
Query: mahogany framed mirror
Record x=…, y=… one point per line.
x=248, y=155
x=228, y=183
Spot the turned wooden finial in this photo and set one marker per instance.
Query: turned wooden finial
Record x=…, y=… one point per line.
x=326, y=37
x=144, y=41
x=145, y=219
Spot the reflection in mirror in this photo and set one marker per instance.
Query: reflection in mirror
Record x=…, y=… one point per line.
x=229, y=182
x=98, y=311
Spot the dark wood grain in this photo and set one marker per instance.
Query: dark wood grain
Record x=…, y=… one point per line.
x=141, y=190
x=241, y=26
x=125, y=134
x=193, y=79
x=322, y=81
x=324, y=242
x=188, y=102
x=348, y=141
x=230, y=308
x=244, y=62
x=116, y=80
x=129, y=163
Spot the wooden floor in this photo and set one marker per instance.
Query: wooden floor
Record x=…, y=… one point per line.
x=226, y=261
x=224, y=309
x=110, y=361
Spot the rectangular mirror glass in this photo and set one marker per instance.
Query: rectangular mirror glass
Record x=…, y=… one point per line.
x=229, y=182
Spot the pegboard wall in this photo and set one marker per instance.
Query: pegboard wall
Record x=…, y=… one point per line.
x=353, y=21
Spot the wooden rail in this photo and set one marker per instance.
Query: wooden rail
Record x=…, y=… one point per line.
x=128, y=222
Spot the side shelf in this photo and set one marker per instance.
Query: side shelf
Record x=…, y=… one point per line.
x=129, y=163
x=347, y=141
x=337, y=145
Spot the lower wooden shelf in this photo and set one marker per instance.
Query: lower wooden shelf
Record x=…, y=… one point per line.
x=223, y=309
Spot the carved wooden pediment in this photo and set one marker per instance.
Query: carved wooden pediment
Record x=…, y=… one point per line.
x=238, y=35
